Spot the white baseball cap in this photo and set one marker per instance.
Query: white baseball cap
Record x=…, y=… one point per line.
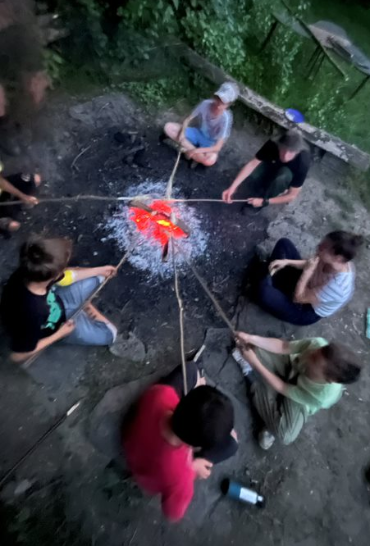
x=228, y=92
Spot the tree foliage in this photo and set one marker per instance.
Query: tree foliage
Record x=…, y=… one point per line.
x=136, y=40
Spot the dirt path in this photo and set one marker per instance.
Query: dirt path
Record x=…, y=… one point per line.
x=315, y=490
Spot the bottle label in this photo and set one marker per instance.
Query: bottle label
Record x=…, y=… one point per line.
x=248, y=495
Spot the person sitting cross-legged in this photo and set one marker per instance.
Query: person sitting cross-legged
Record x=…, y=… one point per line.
x=42, y=295
x=275, y=176
x=295, y=380
x=171, y=439
x=304, y=291
x=203, y=144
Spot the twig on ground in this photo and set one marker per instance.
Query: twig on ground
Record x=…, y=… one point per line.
x=73, y=164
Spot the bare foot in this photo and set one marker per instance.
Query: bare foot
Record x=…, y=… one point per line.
x=94, y=314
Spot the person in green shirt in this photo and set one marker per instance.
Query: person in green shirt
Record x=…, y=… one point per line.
x=299, y=378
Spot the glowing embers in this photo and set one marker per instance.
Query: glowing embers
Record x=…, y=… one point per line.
x=158, y=222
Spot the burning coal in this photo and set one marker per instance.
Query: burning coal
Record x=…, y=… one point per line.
x=153, y=222
x=158, y=222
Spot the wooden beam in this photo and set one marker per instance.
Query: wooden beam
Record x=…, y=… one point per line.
x=318, y=137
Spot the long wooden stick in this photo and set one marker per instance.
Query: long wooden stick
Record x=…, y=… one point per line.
x=203, y=284
x=76, y=198
x=33, y=448
x=181, y=318
x=172, y=177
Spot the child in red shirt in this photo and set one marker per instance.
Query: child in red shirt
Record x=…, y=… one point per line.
x=174, y=438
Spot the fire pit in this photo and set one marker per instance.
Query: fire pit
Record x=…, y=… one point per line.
x=153, y=222
x=159, y=222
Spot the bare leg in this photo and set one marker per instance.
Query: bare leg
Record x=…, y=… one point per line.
x=172, y=130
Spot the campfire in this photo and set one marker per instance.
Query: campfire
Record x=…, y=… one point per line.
x=158, y=222
x=153, y=222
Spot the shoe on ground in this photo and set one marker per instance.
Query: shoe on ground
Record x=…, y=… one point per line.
x=245, y=367
x=266, y=439
x=261, y=253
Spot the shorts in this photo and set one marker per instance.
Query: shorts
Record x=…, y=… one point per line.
x=87, y=330
x=198, y=139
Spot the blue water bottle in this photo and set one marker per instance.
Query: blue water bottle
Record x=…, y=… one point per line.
x=239, y=492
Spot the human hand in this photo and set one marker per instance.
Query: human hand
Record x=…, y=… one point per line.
x=243, y=337
x=37, y=178
x=256, y=202
x=247, y=352
x=29, y=199
x=227, y=196
x=66, y=329
x=276, y=265
x=107, y=271
x=202, y=468
x=311, y=264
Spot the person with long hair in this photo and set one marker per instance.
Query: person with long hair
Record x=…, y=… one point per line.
x=304, y=291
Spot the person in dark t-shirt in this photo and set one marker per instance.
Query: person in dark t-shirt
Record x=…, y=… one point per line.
x=41, y=296
x=276, y=175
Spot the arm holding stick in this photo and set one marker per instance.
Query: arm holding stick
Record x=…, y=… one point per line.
x=273, y=345
x=271, y=379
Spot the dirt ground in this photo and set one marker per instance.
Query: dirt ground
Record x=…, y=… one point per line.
x=70, y=491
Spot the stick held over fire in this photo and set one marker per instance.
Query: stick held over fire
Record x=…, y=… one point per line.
x=157, y=221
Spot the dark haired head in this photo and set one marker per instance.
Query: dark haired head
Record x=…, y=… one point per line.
x=203, y=418
x=341, y=364
x=44, y=259
x=292, y=141
x=343, y=244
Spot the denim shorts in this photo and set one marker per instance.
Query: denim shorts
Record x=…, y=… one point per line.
x=198, y=139
x=87, y=331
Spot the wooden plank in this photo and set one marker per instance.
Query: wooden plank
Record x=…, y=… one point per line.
x=318, y=137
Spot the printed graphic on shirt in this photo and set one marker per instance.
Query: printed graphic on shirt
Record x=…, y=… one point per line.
x=55, y=311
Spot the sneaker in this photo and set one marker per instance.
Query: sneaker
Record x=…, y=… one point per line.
x=266, y=439
x=245, y=367
x=261, y=253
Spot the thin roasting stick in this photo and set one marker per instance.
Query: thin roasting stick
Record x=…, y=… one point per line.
x=172, y=177
x=181, y=318
x=208, y=292
x=33, y=448
x=76, y=198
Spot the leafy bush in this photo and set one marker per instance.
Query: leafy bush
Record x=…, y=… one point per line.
x=137, y=40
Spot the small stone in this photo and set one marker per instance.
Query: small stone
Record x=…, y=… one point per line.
x=131, y=348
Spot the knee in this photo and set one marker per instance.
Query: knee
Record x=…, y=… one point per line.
x=171, y=129
x=283, y=243
x=211, y=160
